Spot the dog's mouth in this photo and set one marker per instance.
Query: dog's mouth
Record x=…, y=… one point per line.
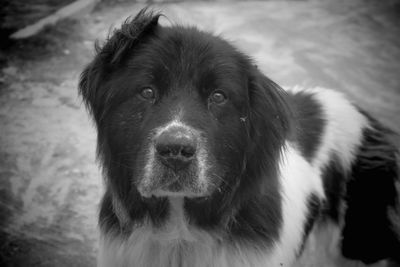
x=168, y=182
x=171, y=181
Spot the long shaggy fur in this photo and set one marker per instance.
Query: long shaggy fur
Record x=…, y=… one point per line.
x=273, y=167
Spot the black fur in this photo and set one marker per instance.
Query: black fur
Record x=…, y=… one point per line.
x=309, y=123
x=368, y=233
x=335, y=179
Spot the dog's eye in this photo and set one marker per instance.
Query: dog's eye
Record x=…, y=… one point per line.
x=218, y=97
x=147, y=93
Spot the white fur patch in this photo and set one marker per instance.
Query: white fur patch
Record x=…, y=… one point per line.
x=344, y=126
x=342, y=134
x=299, y=180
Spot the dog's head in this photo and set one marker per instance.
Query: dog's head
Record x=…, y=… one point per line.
x=180, y=112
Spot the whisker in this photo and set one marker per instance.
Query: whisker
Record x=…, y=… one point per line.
x=222, y=180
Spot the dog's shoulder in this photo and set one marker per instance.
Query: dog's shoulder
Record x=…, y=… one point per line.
x=359, y=170
x=327, y=125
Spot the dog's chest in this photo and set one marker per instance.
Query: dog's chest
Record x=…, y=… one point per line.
x=143, y=249
x=175, y=245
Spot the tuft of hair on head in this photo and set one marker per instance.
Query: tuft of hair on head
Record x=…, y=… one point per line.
x=118, y=44
x=130, y=33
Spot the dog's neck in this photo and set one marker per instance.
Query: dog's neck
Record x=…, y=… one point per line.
x=176, y=227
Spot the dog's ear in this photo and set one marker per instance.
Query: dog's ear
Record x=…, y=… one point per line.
x=113, y=53
x=372, y=227
x=268, y=124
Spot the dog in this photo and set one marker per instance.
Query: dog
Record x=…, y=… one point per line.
x=207, y=162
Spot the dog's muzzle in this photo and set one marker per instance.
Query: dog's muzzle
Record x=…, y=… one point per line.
x=176, y=148
x=177, y=163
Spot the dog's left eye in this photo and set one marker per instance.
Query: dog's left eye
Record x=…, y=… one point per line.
x=218, y=97
x=147, y=93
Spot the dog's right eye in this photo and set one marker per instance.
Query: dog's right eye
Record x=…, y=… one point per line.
x=218, y=97
x=147, y=93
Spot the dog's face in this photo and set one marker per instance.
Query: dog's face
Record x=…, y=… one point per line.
x=180, y=112
x=178, y=103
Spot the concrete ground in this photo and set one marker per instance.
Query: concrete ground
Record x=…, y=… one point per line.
x=50, y=185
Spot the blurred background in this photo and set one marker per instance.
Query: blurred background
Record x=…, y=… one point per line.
x=50, y=185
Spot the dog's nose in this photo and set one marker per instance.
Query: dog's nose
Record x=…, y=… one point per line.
x=176, y=148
